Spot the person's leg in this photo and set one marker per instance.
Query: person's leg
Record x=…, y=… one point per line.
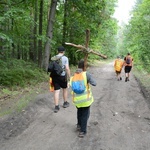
x=56, y=97
x=120, y=76
x=56, y=93
x=56, y=100
x=65, y=97
x=129, y=72
x=63, y=85
x=126, y=79
x=65, y=94
x=79, y=117
x=84, y=120
x=117, y=74
x=126, y=73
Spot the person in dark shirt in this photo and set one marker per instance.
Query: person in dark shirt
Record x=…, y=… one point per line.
x=128, y=63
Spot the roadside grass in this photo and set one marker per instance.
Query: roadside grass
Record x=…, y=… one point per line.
x=19, y=83
x=144, y=78
x=17, y=100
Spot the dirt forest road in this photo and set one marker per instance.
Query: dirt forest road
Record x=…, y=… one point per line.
x=119, y=120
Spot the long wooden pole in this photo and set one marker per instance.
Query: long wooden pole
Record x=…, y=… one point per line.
x=85, y=49
x=86, y=45
x=82, y=48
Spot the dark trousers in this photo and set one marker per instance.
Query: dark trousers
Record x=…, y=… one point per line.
x=82, y=117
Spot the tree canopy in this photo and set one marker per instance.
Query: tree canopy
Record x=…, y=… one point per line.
x=24, y=27
x=31, y=30
x=135, y=37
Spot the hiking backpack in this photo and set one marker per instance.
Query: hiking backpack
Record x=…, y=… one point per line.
x=78, y=84
x=128, y=60
x=55, y=65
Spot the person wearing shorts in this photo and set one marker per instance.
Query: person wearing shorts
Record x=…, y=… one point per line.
x=118, y=64
x=61, y=82
x=128, y=66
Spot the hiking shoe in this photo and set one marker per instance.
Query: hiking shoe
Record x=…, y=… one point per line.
x=120, y=78
x=65, y=104
x=126, y=79
x=56, y=109
x=81, y=134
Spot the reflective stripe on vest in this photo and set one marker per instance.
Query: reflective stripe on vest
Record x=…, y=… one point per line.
x=83, y=100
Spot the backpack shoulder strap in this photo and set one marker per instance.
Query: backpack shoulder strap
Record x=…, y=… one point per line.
x=85, y=77
x=56, y=57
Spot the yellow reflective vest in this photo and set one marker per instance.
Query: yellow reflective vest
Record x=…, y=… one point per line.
x=85, y=99
x=118, y=65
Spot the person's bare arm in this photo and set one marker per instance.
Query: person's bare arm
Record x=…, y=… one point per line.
x=68, y=71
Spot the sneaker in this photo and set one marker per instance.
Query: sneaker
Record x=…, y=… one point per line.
x=56, y=109
x=126, y=79
x=120, y=78
x=81, y=135
x=65, y=104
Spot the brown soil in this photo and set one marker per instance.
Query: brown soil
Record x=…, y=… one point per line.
x=119, y=120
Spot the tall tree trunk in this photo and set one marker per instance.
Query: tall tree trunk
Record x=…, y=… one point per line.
x=49, y=33
x=35, y=30
x=13, y=45
x=31, y=46
x=86, y=45
x=18, y=52
x=40, y=33
x=65, y=22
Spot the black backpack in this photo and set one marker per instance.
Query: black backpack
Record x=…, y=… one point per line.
x=55, y=65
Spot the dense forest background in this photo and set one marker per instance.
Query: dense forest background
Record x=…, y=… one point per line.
x=31, y=31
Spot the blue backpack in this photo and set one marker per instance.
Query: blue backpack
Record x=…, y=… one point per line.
x=78, y=85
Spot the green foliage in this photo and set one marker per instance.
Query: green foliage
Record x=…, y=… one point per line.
x=6, y=91
x=20, y=40
x=82, y=15
x=136, y=35
x=19, y=73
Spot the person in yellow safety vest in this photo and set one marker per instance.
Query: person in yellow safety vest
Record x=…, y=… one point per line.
x=83, y=101
x=118, y=64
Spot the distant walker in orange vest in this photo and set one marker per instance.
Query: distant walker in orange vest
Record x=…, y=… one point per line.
x=118, y=64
